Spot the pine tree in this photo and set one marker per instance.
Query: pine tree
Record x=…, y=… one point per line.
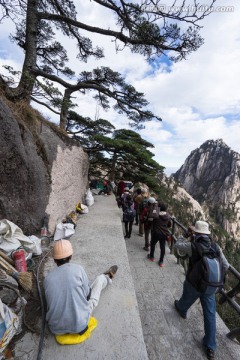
x=147, y=27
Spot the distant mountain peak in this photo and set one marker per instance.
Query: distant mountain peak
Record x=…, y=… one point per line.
x=211, y=174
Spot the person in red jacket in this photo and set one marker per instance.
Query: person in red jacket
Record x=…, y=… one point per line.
x=120, y=188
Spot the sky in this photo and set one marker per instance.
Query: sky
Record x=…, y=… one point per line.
x=198, y=98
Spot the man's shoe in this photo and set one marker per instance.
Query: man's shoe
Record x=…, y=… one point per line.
x=146, y=248
x=210, y=354
x=175, y=304
x=111, y=271
x=140, y=235
x=150, y=258
x=161, y=264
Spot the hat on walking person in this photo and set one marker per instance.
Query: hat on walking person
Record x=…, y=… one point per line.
x=201, y=227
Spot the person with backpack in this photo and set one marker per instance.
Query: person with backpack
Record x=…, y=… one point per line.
x=120, y=188
x=137, y=201
x=128, y=215
x=205, y=276
x=160, y=231
x=147, y=222
x=141, y=207
x=124, y=196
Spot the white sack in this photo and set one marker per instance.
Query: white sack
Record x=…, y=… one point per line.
x=84, y=209
x=12, y=237
x=63, y=230
x=37, y=250
x=89, y=198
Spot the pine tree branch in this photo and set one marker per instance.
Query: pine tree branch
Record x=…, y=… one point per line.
x=44, y=104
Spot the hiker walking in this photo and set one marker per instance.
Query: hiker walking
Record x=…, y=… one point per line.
x=137, y=201
x=124, y=195
x=196, y=287
x=128, y=215
x=120, y=187
x=147, y=223
x=70, y=299
x=160, y=232
x=141, y=211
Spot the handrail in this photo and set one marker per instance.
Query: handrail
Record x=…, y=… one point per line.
x=225, y=296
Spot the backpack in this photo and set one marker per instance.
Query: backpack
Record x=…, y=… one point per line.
x=119, y=202
x=124, y=200
x=207, y=273
x=143, y=204
x=153, y=211
x=129, y=214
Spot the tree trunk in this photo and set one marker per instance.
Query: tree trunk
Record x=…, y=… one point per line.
x=65, y=108
x=25, y=87
x=112, y=173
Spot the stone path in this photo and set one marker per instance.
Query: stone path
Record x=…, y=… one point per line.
x=166, y=334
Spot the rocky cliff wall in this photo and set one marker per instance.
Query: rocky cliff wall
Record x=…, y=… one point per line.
x=42, y=171
x=211, y=174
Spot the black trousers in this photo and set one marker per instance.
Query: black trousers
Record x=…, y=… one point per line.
x=162, y=242
x=128, y=228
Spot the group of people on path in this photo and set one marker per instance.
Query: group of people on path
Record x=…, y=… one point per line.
x=70, y=305
x=155, y=228
x=150, y=216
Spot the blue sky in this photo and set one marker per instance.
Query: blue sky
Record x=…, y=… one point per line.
x=198, y=98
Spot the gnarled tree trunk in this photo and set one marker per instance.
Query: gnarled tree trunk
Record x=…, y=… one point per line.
x=25, y=87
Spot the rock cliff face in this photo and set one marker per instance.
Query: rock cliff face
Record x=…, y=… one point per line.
x=42, y=171
x=211, y=174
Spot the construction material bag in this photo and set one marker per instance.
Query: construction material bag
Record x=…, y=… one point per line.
x=79, y=208
x=89, y=198
x=63, y=230
x=207, y=274
x=83, y=209
x=9, y=323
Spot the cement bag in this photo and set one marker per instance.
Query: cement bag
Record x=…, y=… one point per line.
x=63, y=230
x=81, y=208
x=37, y=250
x=89, y=198
x=12, y=237
x=9, y=323
x=84, y=209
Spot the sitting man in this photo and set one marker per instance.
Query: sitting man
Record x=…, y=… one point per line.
x=70, y=299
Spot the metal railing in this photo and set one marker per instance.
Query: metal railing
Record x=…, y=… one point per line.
x=226, y=296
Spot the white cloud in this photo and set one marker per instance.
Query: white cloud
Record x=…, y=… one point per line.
x=200, y=96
